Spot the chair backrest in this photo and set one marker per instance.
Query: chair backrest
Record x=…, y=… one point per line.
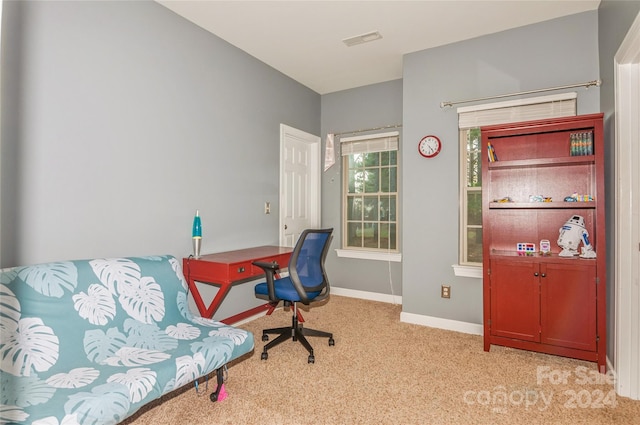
x=306, y=266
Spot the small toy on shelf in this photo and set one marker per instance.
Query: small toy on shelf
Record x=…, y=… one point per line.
x=571, y=233
x=504, y=200
x=545, y=247
x=540, y=198
x=525, y=248
x=574, y=197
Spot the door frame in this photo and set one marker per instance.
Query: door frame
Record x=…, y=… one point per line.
x=314, y=173
x=627, y=227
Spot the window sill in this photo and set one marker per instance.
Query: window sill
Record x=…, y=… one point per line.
x=467, y=271
x=370, y=255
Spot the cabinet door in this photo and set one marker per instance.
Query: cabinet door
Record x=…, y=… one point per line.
x=568, y=306
x=515, y=300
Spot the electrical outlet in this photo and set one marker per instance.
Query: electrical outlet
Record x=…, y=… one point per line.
x=445, y=292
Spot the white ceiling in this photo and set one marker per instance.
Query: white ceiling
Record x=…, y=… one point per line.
x=303, y=39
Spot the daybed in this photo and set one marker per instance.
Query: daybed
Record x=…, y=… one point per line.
x=92, y=341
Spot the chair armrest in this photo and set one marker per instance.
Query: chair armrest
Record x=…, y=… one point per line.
x=267, y=267
x=270, y=270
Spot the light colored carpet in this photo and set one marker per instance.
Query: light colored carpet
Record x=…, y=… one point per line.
x=382, y=371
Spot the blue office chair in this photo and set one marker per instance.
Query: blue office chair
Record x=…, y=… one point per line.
x=307, y=282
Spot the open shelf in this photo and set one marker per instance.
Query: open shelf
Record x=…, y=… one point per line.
x=541, y=205
x=540, y=258
x=543, y=162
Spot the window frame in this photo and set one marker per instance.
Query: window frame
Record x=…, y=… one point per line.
x=464, y=191
x=375, y=253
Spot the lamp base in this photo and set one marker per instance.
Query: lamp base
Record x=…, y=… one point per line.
x=196, y=247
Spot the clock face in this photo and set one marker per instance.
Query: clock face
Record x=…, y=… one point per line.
x=429, y=146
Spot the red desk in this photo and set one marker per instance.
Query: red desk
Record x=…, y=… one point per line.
x=225, y=269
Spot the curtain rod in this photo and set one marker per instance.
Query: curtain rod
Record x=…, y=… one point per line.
x=586, y=85
x=369, y=129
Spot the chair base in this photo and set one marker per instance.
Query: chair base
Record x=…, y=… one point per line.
x=297, y=333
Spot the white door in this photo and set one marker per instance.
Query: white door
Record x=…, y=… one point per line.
x=627, y=217
x=299, y=183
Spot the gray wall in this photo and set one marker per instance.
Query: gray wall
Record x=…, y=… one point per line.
x=372, y=106
x=614, y=20
x=120, y=119
x=553, y=53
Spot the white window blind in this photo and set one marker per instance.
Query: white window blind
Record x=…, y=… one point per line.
x=535, y=108
x=367, y=144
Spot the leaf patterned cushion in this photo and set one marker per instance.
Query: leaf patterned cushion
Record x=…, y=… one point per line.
x=92, y=341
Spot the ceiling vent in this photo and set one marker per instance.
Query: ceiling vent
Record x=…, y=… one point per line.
x=362, y=38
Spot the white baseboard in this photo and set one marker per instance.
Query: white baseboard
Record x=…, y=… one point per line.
x=417, y=319
x=365, y=295
x=252, y=318
x=440, y=323
x=351, y=293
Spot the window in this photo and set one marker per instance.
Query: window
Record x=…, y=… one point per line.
x=470, y=119
x=370, y=192
x=471, y=194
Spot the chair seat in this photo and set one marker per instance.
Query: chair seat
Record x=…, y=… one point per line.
x=284, y=290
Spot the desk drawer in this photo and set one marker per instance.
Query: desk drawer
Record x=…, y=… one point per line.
x=221, y=268
x=243, y=270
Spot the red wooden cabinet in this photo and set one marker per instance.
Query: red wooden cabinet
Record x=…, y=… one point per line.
x=515, y=300
x=535, y=301
x=568, y=305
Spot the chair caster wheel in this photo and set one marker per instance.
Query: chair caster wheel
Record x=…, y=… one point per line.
x=265, y=337
x=311, y=359
x=332, y=342
x=264, y=356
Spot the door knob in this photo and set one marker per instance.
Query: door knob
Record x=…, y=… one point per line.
x=285, y=227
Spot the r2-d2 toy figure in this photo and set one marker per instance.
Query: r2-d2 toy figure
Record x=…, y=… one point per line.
x=571, y=233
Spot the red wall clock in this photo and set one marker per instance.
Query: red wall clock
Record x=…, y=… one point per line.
x=429, y=146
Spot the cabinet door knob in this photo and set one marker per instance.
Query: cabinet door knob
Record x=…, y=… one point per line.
x=536, y=274
x=544, y=275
